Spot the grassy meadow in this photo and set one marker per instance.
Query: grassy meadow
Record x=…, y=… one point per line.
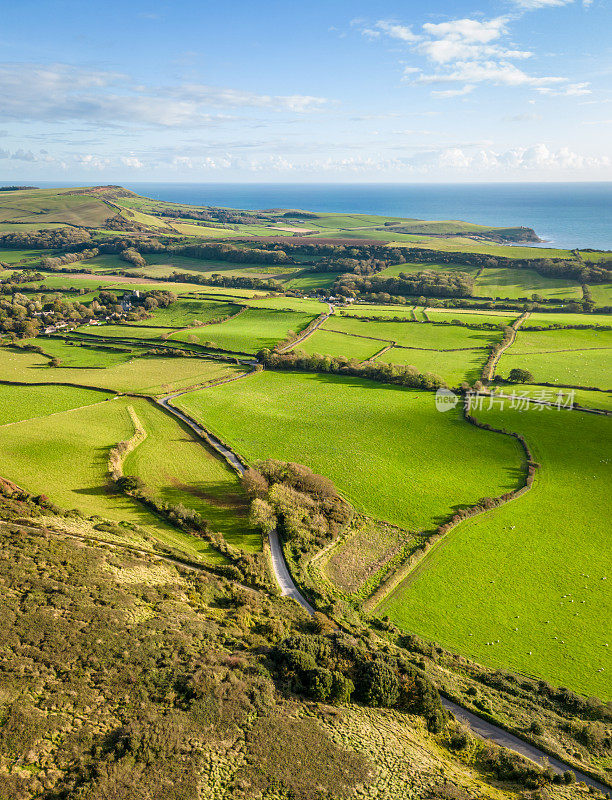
x=249, y=332
x=539, y=565
x=387, y=449
x=514, y=283
x=338, y=344
x=573, y=357
x=150, y=375
x=453, y=367
x=19, y=403
x=65, y=457
x=179, y=468
x=414, y=334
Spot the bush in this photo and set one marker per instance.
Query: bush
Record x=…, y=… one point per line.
x=380, y=685
x=320, y=682
x=536, y=728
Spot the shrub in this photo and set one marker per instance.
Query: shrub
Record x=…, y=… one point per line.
x=380, y=685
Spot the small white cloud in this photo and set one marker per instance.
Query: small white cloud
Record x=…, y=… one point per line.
x=531, y=5
x=467, y=89
x=132, y=161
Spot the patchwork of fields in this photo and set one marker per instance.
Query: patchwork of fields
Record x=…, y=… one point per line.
x=524, y=587
x=539, y=565
x=371, y=439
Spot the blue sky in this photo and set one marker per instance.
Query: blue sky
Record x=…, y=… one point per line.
x=517, y=90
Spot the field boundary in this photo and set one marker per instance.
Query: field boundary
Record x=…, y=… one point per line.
x=489, y=368
x=118, y=453
x=417, y=556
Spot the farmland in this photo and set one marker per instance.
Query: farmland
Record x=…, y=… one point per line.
x=520, y=588
x=249, y=332
x=179, y=469
x=369, y=438
x=547, y=614
x=515, y=283
x=413, y=334
x=453, y=367
x=65, y=456
x=572, y=357
x=150, y=375
x=337, y=344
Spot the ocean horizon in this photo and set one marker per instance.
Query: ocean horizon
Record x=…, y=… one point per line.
x=566, y=215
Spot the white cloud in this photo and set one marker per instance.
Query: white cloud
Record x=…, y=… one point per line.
x=393, y=29
x=467, y=89
x=472, y=52
x=132, y=161
x=62, y=92
x=531, y=5
x=571, y=90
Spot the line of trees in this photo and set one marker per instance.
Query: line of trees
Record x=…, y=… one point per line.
x=398, y=374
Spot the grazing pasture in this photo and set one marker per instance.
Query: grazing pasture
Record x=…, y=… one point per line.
x=540, y=319
x=563, y=397
x=185, y=312
x=414, y=334
x=454, y=368
x=179, y=468
x=571, y=367
x=472, y=317
x=150, y=375
x=423, y=266
x=574, y=357
x=249, y=332
x=540, y=566
x=387, y=449
x=19, y=403
x=65, y=457
x=514, y=283
x=73, y=353
x=600, y=292
x=338, y=344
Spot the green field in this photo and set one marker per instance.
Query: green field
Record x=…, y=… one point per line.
x=454, y=368
x=65, y=457
x=19, y=403
x=471, y=317
x=423, y=266
x=387, y=449
x=178, y=468
x=573, y=357
x=74, y=354
x=370, y=310
x=149, y=375
x=248, y=332
x=329, y=343
x=573, y=368
x=127, y=331
x=601, y=294
x=584, y=397
x=539, y=319
x=559, y=340
x=184, y=312
x=525, y=565
x=308, y=280
x=514, y=283
x=414, y=334
x=48, y=207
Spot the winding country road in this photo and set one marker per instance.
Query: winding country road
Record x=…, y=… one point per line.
x=476, y=724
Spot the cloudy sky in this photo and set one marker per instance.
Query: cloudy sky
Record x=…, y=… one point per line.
x=325, y=90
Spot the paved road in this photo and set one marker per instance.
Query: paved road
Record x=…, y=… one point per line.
x=487, y=730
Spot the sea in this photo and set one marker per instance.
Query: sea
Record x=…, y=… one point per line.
x=564, y=215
